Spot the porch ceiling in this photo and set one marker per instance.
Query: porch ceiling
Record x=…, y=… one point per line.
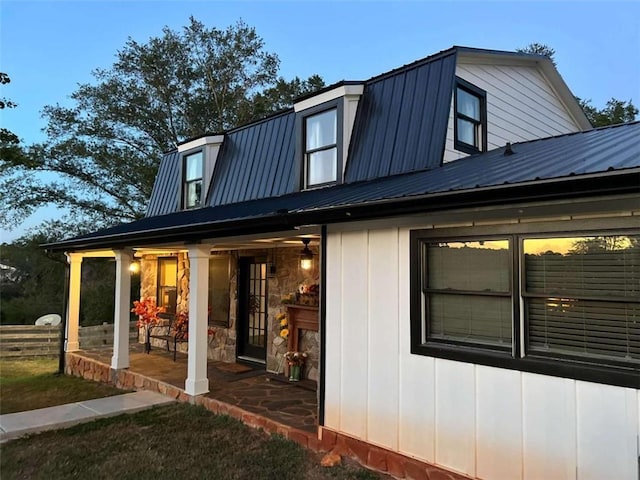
x=245, y=242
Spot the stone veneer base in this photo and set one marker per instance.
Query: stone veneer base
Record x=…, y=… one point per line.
x=370, y=456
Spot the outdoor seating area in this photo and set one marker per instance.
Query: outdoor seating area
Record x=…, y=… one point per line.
x=168, y=334
x=254, y=390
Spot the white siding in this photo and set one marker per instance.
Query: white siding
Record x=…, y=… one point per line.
x=383, y=378
x=549, y=427
x=485, y=422
x=455, y=415
x=354, y=332
x=521, y=106
x=607, y=440
x=498, y=423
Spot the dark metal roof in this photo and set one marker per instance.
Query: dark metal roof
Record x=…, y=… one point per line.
x=166, y=188
x=400, y=127
x=256, y=161
x=598, y=161
x=401, y=123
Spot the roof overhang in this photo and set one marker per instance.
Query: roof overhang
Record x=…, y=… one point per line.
x=621, y=182
x=343, y=90
x=200, y=142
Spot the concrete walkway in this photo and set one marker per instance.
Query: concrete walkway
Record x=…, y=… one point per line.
x=14, y=425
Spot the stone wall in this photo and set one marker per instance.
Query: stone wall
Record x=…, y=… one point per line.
x=148, y=276
x=285, y=281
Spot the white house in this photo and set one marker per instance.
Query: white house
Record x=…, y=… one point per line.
x=477, y=250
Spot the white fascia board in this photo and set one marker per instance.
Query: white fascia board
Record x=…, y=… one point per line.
x=342, y=91
x=562, y=90
x=548, y=70
x=200, y=142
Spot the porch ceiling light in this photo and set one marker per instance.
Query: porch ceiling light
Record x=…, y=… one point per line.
x=306, y=256
x=134, y=267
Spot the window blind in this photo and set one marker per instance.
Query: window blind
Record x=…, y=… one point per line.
x=585, y=300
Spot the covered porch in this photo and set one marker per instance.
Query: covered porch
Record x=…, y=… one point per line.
x=250, y=394
x=234, y=292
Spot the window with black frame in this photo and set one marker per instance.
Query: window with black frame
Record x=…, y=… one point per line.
x=219, y=291
x=470, y=121
x=167, y=296
x=582, y=296
x=559, y=304
x=467, y=292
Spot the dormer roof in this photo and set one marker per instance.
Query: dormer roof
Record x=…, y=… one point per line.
x=603, y=161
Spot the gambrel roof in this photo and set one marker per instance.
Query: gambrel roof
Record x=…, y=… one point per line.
x=579, y=165
x=400, y=127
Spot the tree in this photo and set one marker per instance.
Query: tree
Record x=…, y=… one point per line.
x=104, y=151
x=539, y=49
x=615, y=111
x=9, y=142
x=37, y=284
x=5, y=103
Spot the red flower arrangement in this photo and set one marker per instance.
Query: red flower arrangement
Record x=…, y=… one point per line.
x=147, y=311
x=181, y=326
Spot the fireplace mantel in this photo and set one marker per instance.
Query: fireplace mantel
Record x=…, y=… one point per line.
x=301, y=317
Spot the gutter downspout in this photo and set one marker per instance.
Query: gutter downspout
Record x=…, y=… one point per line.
x=65, y=314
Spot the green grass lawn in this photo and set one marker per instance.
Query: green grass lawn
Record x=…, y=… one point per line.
x=30, y=384
x=176, y=441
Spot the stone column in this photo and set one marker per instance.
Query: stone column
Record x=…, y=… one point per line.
x=197, y=382
x=121, y=315
x=72, y=343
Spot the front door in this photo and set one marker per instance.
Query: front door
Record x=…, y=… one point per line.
x=252, y=314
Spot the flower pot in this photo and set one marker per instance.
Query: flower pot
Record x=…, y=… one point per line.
x=294, y=373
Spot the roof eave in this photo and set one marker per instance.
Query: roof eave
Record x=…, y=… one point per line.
x=621, y=182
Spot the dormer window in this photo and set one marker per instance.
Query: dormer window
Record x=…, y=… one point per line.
x=192, y=186
x=324, y=122
x=471, y=118
x=321, y=148
x=198, y=158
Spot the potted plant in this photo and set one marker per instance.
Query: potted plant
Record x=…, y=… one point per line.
x=296, y=361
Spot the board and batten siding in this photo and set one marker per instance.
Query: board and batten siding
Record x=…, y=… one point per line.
x=521, y=106
x=486, y=422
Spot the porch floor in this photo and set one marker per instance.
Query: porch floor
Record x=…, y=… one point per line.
x=256, y=391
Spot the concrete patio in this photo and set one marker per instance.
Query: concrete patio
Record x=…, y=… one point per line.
x=273, y=397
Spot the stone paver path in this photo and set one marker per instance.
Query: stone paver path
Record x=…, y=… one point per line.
x=291, y=403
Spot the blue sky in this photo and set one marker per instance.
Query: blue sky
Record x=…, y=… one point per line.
x=48, y=47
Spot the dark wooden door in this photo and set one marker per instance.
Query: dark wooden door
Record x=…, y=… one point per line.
x=252, y=312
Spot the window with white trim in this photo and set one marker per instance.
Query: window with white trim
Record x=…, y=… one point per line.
x=321, y=148
x=192, y=183
x=559, y=304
